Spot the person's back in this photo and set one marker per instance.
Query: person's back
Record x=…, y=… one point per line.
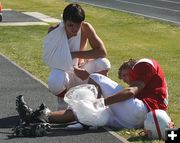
x=155, y=92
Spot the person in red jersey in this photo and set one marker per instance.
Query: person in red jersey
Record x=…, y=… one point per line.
x=146, y=91
x=147, y=82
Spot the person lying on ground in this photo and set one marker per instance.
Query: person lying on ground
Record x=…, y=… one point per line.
x=121, y=107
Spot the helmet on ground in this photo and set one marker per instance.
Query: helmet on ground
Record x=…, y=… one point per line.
x=156, y=123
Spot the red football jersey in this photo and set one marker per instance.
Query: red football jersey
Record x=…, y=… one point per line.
x=154, y=94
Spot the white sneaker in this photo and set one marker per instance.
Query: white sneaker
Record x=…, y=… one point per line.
x=93, y=128
x=79, y=126
x=76, y=126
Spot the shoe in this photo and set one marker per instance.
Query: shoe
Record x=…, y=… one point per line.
x=32, y=130
x=27, y=115
x=40, y=115
x=23, y=109
x=80, y=126
x=76, y=126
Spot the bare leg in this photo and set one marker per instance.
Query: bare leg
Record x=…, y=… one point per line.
x=62, y=116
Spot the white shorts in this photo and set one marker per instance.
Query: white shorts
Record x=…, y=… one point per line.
x=130, y=113
x=60, y=80
x=126, y=114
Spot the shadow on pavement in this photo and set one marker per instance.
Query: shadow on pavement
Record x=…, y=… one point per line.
x=59, y=130
x=9, y=122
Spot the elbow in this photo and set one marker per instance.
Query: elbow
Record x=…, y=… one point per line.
x=103, y=53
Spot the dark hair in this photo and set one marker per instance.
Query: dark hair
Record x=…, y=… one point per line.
x=73, y=12
x=126, y=65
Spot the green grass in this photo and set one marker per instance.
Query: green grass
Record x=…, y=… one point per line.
x=125, y=36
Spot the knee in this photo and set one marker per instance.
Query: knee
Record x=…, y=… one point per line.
x=57, y=81
x=100, y=65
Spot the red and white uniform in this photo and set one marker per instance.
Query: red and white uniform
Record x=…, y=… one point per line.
x=154, y=94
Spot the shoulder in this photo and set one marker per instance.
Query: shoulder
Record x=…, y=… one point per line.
x=143, y=70
x=86, y=25
x=146, y=61
x=87, y=28
x=145, y=64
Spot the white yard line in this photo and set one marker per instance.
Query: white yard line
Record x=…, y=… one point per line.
x=170, y=1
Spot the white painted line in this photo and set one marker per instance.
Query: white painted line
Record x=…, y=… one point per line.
x=139, y=14
x=21, y=23
x=170, y=1
x=42, y=17
x=151, y=6
x=43, y=83
x=116, y=135
x=153, y=17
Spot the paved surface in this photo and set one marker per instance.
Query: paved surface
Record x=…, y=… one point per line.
x=17, y=18
x=13, y=82
x=165, y=10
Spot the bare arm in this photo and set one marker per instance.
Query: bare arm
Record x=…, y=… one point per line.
x=126, y=93
x=98, y=49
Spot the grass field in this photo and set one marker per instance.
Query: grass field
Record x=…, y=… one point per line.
x=125, y=36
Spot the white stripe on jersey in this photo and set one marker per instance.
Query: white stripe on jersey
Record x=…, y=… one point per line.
x=146, y=61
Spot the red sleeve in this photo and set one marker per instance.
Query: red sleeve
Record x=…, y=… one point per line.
x=143, y=72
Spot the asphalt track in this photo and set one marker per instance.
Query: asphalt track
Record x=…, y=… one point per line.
x=13, y=82
x=163, y=10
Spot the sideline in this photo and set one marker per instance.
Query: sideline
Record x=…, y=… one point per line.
x=120, y=138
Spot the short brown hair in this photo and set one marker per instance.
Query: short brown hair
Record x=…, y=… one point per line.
x=74, y=12
x=126, y=65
